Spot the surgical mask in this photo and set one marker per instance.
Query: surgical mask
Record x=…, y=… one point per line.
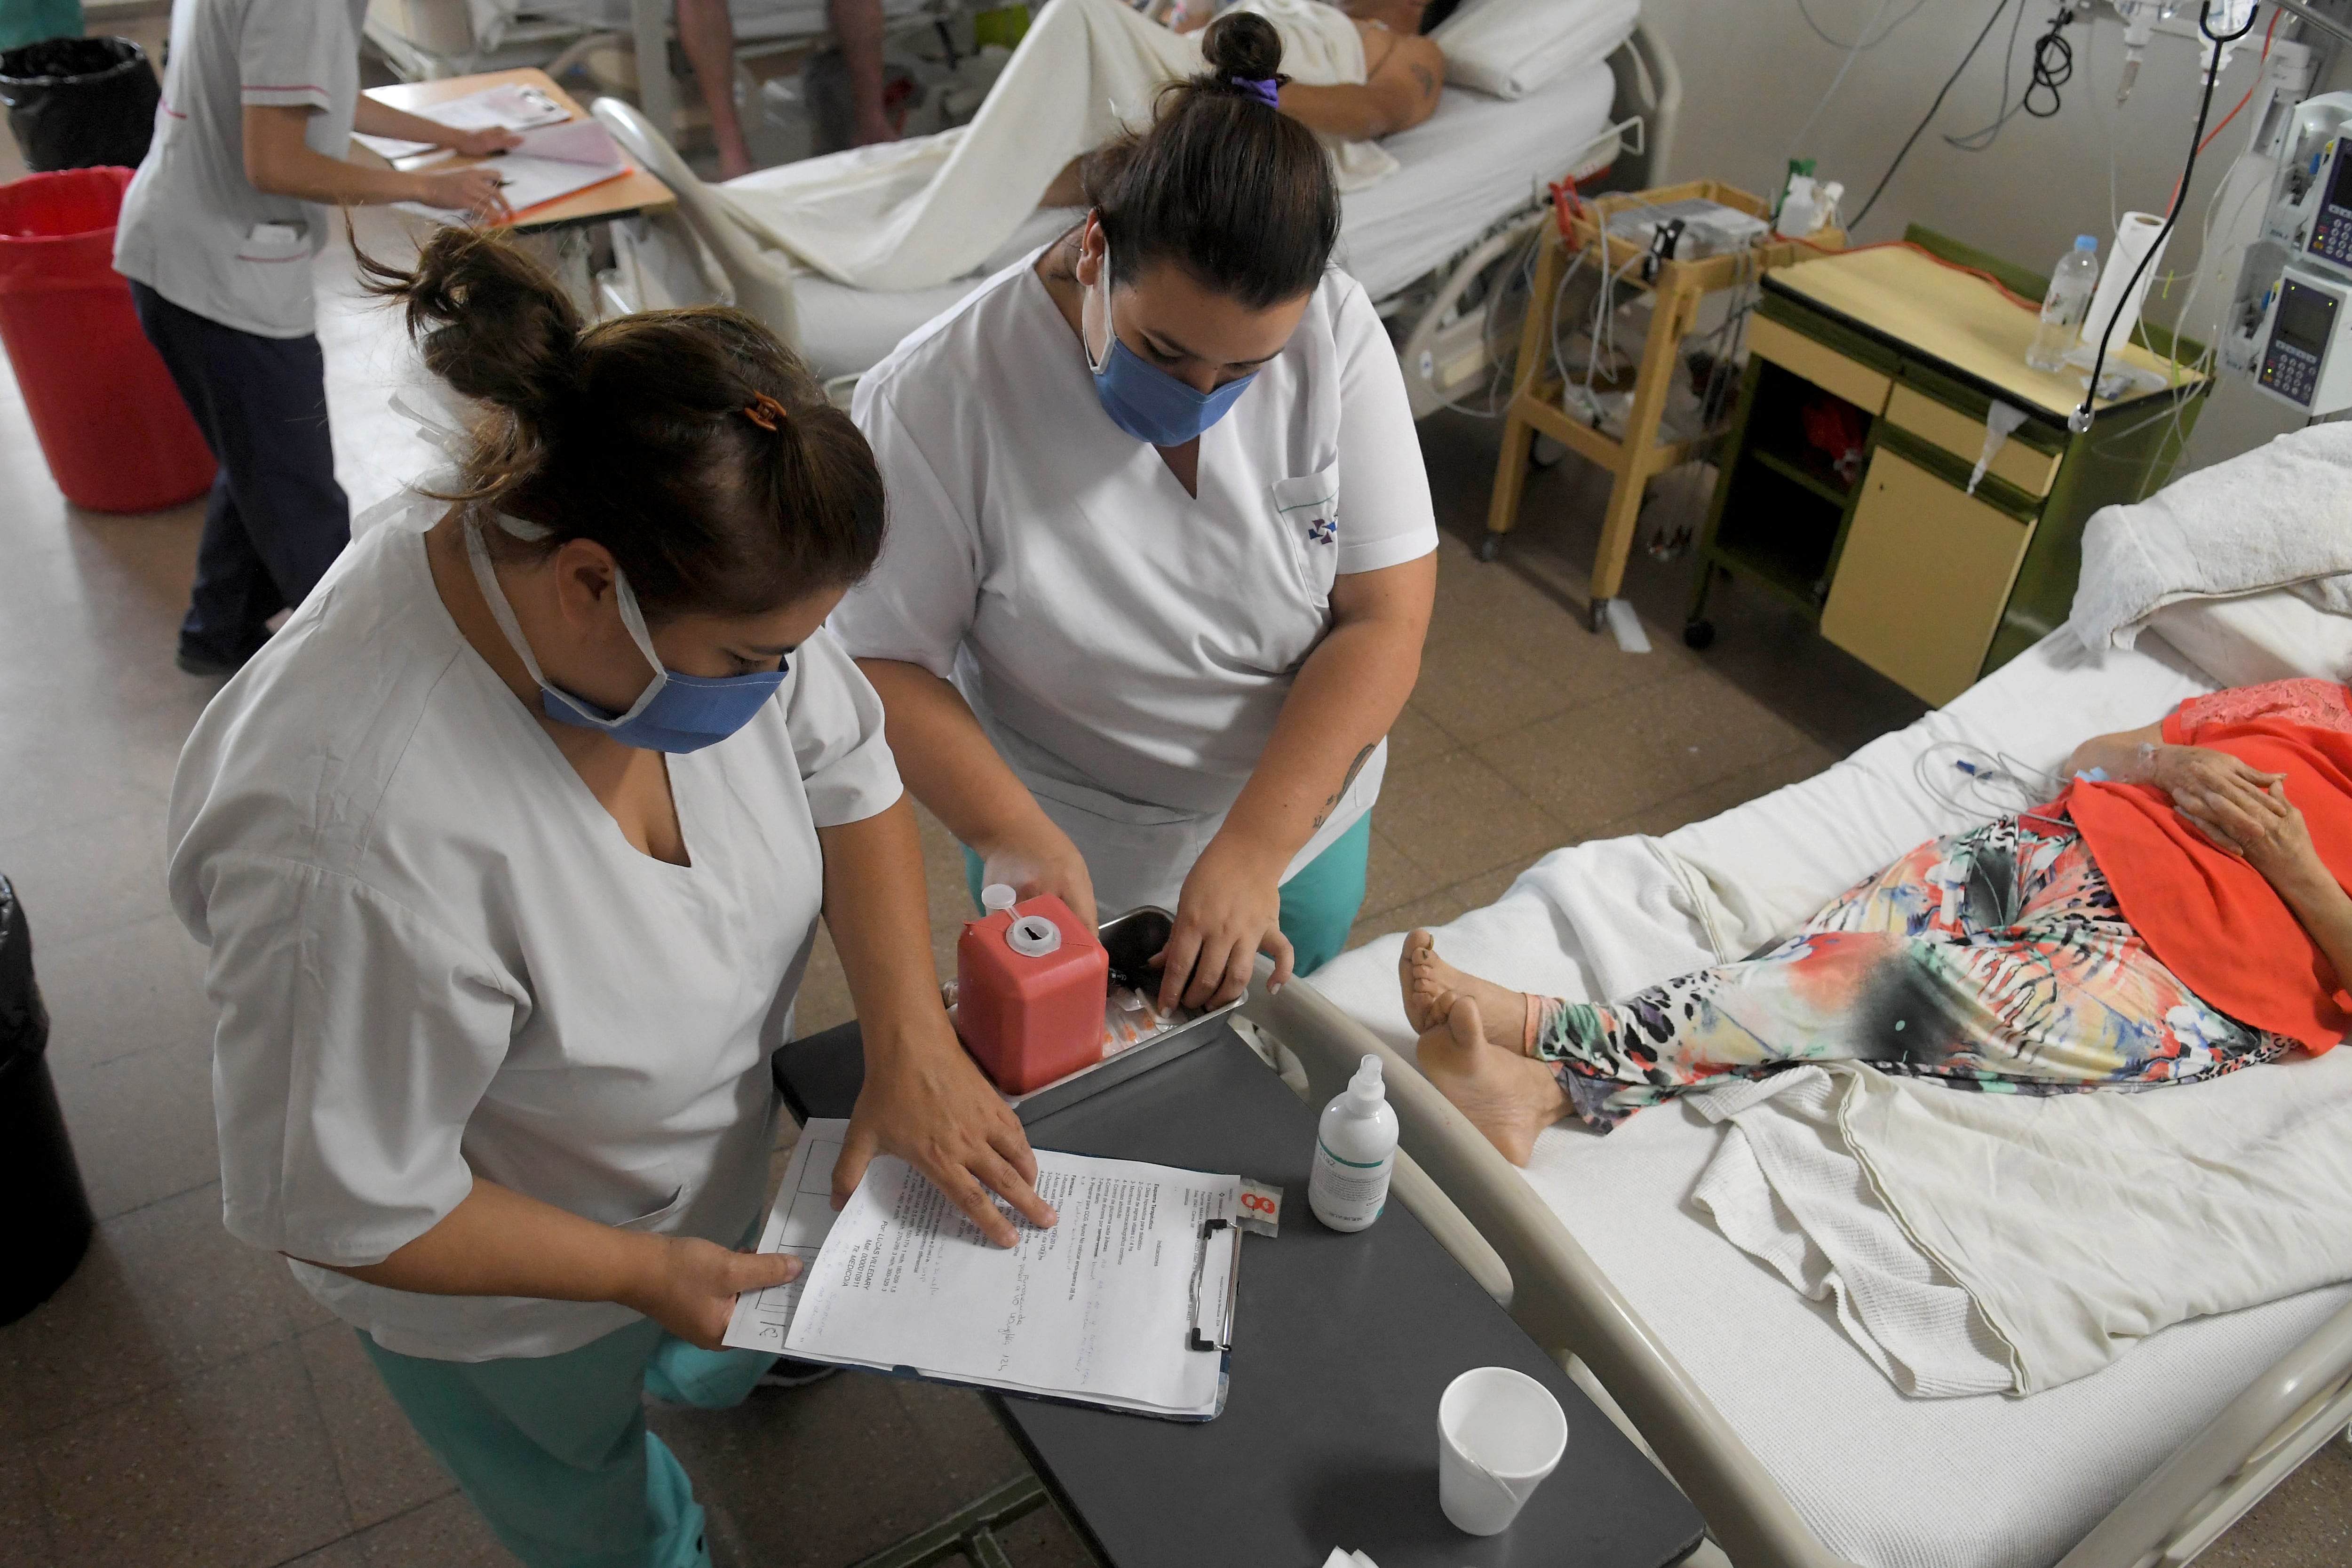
x=1147, y=401
x=674, y=714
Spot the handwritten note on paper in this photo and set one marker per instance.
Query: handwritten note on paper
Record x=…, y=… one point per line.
x=1099, y=1307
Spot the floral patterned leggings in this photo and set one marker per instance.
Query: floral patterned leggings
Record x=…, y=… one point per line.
x=1995, y=959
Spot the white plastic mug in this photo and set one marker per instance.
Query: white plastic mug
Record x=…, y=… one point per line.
x=1499, y=1434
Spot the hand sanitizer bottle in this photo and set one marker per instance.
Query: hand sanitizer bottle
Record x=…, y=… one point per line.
x=1354, y=1150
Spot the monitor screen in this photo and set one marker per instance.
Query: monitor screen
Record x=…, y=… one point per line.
x=2305, y=318
x=2339, y=179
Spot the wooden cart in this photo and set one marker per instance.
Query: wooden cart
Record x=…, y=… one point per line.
x=1538, y=405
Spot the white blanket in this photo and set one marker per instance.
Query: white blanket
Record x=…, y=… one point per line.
x=915, y=214
x=2075, y=1226
x=2280, y=515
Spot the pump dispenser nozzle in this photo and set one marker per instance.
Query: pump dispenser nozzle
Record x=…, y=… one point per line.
x=1366, y=1090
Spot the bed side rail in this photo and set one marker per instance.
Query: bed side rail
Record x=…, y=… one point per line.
x=2184, y=1505
x=1650, y=85
x=761, y=280
x=1562, y=1300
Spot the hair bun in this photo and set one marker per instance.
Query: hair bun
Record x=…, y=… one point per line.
x=1242, y=45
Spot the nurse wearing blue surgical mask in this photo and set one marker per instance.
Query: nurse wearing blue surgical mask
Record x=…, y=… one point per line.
x=1160, y=556
x=509, y=850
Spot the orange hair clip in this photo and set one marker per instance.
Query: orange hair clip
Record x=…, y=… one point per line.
x=765, y=411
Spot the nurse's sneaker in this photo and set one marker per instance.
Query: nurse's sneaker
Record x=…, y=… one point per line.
x=790, y=1373
x=202, y=665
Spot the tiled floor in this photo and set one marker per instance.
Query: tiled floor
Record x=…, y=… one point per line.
x=179, y=1401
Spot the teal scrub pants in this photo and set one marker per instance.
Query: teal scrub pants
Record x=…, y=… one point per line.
x=554, y=1449
x=1318, y=905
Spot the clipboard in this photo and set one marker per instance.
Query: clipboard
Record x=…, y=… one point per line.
x=877, y=1272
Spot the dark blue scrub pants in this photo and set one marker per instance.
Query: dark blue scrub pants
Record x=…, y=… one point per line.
x=277, y=519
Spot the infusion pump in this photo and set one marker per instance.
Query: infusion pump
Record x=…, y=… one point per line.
x=2293, y=305
x=2306, y=360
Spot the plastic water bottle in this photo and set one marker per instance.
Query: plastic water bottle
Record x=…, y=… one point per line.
x=1355, y=1152
x=2072, y=283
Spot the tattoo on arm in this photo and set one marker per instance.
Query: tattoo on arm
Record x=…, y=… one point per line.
x=1354, y=768
x=1427, y=78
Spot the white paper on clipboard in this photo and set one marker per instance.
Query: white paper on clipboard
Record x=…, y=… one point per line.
x=515, y=106
x=1126, y=1302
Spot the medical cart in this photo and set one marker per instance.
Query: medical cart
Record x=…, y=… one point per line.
x=1544, y=401
x=1341, y=1345
x=1928, y=572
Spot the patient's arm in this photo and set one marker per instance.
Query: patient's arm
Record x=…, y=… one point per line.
x=2141, y=756
x=2270, y=836
x=1401, y=93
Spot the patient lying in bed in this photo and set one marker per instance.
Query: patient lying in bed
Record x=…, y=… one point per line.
x=2174, y=914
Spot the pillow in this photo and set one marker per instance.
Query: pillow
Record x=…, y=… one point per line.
x=2255, y=637
x=1512, y=47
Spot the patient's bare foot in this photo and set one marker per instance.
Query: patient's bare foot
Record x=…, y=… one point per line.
x=1426, y=978
x=1508, y=1096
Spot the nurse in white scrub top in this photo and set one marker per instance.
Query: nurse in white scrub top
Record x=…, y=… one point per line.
x=509, y=850
x=1162, y=551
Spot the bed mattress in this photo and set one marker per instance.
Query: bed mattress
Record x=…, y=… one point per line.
x=1476, y=160
x=1885, y=1481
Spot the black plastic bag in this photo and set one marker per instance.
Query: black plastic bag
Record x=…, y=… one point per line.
x=46, y=1227
x=77, y=104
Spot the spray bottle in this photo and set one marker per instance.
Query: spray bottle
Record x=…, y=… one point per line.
x=1355, y=1151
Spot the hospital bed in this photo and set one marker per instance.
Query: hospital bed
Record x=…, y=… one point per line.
x=1427, y=242
x=1799, y=1453
x=428, y=40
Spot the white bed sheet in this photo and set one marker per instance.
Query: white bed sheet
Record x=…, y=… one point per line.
x=1476, y=160
x=1885, y=1481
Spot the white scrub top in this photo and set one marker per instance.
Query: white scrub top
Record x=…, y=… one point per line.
x=1127, y=646
x=435, y=954
x=193, y=228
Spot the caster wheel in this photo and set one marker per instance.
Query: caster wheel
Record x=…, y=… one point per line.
x=1699, y=633
x=1596, y=616
x=1490, y=547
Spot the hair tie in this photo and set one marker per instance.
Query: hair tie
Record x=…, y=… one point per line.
x=765, y=411
x=1266, y=90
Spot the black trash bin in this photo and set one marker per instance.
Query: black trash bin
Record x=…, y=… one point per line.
x=77, y=103
x=46, y=1224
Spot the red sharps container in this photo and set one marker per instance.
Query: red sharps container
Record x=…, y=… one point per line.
x=1031, y=980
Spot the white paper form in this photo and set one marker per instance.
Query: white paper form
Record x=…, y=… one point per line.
x=797, y=1224
x=514, y=106
x=1099, y=1308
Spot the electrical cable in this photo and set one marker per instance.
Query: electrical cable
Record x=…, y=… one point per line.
x=2081, y=419
x=1859, y=43
x=2053, y=68
x=1853, y=53
x=1904, y=152
x=1978, y=140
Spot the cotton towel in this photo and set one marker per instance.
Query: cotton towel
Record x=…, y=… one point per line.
x=2077, y=1224
x=2280, y=515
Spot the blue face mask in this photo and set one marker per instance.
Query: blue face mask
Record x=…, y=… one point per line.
x=1147, y=401
x=674, y=714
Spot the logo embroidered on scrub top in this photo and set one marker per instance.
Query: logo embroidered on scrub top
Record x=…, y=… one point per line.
x=1323, y=531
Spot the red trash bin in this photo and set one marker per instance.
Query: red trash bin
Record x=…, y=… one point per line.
x=110, y=419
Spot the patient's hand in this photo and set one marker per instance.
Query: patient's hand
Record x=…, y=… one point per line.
x=2203, y=771
x=2269, y=834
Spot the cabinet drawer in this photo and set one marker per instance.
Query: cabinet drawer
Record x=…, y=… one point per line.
x=1923, y=578
x=1823, y=366
x=2029, y=470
